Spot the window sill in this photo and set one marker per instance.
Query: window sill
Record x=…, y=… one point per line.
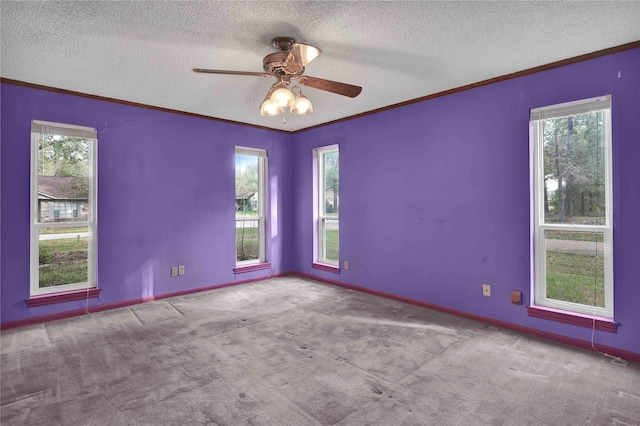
x=325, y=267
x=572, y=318
x=251, y=267
x=64, y=296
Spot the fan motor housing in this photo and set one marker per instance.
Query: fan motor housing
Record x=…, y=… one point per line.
x=274, y=64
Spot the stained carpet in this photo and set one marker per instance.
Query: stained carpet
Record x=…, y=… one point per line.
x=290, y=351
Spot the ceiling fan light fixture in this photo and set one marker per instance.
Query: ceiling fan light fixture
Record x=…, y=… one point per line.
x=302, y=105
x=282, y=97
x=270, y=109
x=286, y=65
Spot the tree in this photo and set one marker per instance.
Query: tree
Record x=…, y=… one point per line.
x=332, y=180
x=78, y=187
x=247, y=175
x=559, y=176
x=573, y=158
x=63, y=156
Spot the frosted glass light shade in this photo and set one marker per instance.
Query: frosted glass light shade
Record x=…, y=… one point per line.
x=269, y=108
x=282, y=97
x=302, y=105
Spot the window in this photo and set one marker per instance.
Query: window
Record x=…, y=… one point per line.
x=573, y=235
x=251, y=193
x=63, y=207
x=328, y=203
x=64, y=210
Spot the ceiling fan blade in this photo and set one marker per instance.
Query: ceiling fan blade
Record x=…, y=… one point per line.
x=331, y=86
x=299, y=56
x=257, y=74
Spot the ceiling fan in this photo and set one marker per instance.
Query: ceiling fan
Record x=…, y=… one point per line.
x=286, y=65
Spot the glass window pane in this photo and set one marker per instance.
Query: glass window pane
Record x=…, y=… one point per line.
x=574, y=169
x=575, y=267
x=63, y=178
x=247, y=181
x=331, y=183
x=247, y=239
x=62, y=256
x=331, y=230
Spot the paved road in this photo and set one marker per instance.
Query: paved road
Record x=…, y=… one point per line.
x=62, y=236
x=587, y=248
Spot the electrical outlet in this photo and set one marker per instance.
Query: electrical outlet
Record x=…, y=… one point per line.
x=181, y=270
x=174, y=271
x=346, y=264
x=486, y=290
x=516, y=297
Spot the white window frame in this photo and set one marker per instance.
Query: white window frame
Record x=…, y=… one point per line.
x=538, y=292
x=262, y=156
x=44, y=127
x=319, y=206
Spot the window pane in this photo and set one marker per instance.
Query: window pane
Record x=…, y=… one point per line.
x=247, y=181
x=575, y=267
x=331, y=231
x=331, y=183
x=62, y=256
x=247, y=239
x=574, y=169
x=63, y=178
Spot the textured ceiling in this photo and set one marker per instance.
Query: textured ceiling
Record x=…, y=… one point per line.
x=143, y=52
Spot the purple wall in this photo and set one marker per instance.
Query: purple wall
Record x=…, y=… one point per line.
x=435, y=195
x=165, y=197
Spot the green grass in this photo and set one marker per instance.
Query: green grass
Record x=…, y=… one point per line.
x=63, y=230
x=69, y=273
x=63, y=261
x=570, y=278
x=574, y=236
x=64, y=245
x=332, y=244
x=247, y=244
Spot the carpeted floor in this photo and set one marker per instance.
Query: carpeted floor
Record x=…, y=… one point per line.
x=289, y=351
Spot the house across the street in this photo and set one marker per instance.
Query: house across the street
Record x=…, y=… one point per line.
x=62, y=198
x=246, y=201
